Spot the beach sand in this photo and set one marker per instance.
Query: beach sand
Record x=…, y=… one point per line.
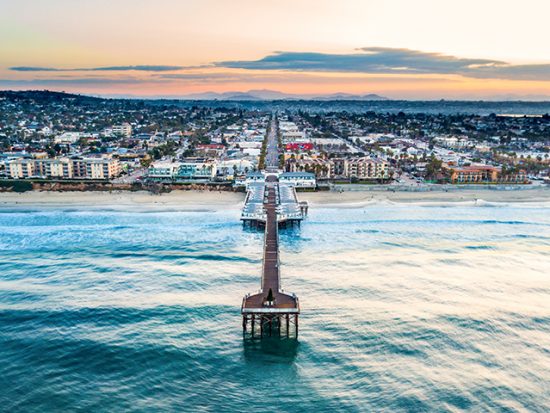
x=358, y=198
x=186, y=200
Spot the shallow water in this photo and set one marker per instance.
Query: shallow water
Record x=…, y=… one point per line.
x=404, y=308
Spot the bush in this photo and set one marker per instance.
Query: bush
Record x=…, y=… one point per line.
x=17, y=186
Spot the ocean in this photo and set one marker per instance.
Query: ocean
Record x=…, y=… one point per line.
x=405, y=308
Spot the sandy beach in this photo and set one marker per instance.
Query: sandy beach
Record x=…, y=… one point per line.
x=212, y=199
x=363, y=198
x=184, y=200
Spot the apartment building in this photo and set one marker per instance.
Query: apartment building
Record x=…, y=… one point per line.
x=366, y=168
x=361, y=168
x=54, y=168
x=485, y=174
x=102, y=168
x=21, y=168
x=40, y=168
x=64, y=168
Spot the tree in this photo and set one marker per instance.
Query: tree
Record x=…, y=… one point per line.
x=433, y=167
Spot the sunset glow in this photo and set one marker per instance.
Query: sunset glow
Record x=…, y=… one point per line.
x=399, y=49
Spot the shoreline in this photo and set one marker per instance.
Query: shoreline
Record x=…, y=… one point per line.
x=193, y=199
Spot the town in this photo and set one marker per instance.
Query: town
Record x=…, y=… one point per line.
x=57, y=137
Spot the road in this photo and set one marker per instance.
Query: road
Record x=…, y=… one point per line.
x=272, y=154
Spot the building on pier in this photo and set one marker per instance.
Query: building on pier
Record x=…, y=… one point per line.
x=289, y=209
x=296, y=179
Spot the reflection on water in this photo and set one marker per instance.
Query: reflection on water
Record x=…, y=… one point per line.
x=272, y=349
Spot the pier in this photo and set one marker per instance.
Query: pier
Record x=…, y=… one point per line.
x=270, y=204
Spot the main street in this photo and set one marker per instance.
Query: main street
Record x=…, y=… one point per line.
x=272, y=153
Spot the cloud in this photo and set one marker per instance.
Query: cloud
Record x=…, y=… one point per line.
x=379, y=60
x=513, y=72
x=367, y=60
x=33, y=69
x=142, y=68
x=69, y=81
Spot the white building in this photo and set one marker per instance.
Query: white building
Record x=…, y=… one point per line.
x=188, y=170
x=68, y=138
x=163, y=171
x=122, y=130
x=298, y=179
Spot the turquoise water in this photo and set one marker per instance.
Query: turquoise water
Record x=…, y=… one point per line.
x=404, y=308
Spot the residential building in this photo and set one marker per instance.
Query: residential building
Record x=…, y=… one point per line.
x=366, y=168
x=124, y=129
x=21, y=168
x=64, y=168
x=485, y=174
x=361, y=168
x=196, y=169
x=68, y=138
x=190, y=169
x=211, y=150
x=163, y=171
x=54, y=168
x=102, y=168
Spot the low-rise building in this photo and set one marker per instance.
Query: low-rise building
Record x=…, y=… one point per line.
x=211, y=149
x=64, y=168
x=21, y=168
x=190, y=169
x=299, y=146
x=485, y=174
x=68, y=138
x=124, y=129
x=162, y=171
x=366, y=168
x=54, y=168
x=360, y=168
x=102, y=168
x=298, y=179
x=196, y=169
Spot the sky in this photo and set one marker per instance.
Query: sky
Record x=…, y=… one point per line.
x=403, y=49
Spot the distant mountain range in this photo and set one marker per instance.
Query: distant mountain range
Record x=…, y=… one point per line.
x=265, y=94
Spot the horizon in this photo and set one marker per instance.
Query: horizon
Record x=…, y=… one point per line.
x=172, y=48
x=312, y=98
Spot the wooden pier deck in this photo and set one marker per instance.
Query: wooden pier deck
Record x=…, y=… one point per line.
x=271, y=307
